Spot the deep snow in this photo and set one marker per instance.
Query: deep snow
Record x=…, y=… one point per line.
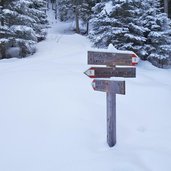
x=52, y=120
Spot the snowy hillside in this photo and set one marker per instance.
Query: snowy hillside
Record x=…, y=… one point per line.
x=52, y=120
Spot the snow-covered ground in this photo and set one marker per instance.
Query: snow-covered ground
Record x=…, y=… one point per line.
x=52, y=120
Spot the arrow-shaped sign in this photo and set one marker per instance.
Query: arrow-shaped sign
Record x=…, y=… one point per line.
x=111, y=58
x=117, y=87
x=101, y=72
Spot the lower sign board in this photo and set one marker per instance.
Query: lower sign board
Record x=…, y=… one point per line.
x=101, y=72
x=117, y=87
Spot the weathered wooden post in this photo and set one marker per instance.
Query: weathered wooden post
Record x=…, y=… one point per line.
x=111, y=119
x=111, y=88
x=126, y=69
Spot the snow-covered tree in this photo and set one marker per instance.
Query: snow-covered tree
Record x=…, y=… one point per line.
x=101, y=28
x=134, y=25
x=117, y=22
x=86, y=12
x=76, y=10
x=158, y=35
x=66, y=11
x=23, y=25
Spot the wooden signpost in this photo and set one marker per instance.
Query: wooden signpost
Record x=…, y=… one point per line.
x=118, y=65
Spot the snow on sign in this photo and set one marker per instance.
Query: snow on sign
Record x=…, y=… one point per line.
x=102, y=72
x=112, y=58
x=111, y=88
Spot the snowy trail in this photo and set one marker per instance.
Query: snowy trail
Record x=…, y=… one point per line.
x=52, y=120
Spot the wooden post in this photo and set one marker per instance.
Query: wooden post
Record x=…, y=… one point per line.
x=111, y=119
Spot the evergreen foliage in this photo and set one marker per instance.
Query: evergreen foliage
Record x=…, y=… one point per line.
x=65, y=9
x=118, y=25
x=86, y=12
x=134, y=25
x=78, y=10
x=22, y=25
x=158, y=35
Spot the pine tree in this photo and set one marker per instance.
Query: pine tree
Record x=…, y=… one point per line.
x=66, y=11
x=100, y=28
x=116, y=22
x=134, y=25
x=158, y=44
x=78, y=10
x=86, y=12
x=23, y=25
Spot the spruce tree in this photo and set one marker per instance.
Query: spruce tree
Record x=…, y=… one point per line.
x=158, y=43
x=134, y=25
x=66, y=11
x=86, y=12
x=119, y=25
x=79, y=11
x=23, y=25
x=100, y=33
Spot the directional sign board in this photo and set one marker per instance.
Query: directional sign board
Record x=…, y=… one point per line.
x=112, y=59
x=101, y=72
x=117, y=87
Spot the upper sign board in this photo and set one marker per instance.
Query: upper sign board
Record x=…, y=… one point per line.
x=112, y=59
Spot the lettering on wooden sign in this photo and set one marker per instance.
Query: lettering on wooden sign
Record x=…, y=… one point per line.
x=101, y=72
x=112, y=59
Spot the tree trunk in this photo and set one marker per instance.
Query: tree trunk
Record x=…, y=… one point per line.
x=87, y=29
x=166, y=6
x=169, y=9
x=1, y=8
x=47, y=1
x=77, y=20
x=56, y=10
